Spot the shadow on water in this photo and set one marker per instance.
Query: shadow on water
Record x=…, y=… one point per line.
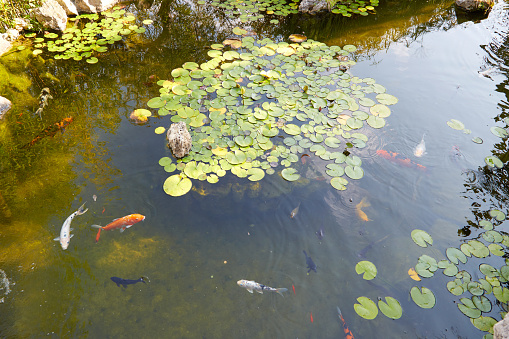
x=195, y=248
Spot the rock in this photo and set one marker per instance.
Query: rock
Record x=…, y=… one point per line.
x=102, y=5
x=5, y=44
x=20, y=24
x=68, y=6
x=51, y=15
x=5, y=105
x=475, y=5
x=501, y=329
x=179, y=139
x=12, y=34
x=313, y=6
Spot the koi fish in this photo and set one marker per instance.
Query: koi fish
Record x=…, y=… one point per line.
x=420, y=149
x=51, y=130
x=319, y=234
x=310, y=263
x=311, y=316
x=348, y=333
x=65, y=232
x=251, y=285
x=400, y=160
x=295, y=211
x=360, y=212
x=125, y=282
x=303, y=158
x=293, y=287
x=122, y=223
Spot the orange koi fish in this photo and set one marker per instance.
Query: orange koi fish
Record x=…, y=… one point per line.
x=360, y=212
x=122, y=223
x=293, y=290
x=51, y=130
x=311, y=316
x=399, y=159
x=348, y=333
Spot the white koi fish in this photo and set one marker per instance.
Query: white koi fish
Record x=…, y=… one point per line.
x=251, y=285
x=65, y=232
x=420, y=149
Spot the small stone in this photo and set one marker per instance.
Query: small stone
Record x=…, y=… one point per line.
x=179, y=139
x=475, y=5
x=5, y=105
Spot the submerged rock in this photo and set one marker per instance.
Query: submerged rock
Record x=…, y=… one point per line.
x=475, y=5
x=5, y=105
x=313, y=6
x=179, y=139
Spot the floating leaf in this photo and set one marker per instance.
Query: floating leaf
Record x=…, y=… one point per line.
x=160, y=130
x=92, y=60
x=176, y=185
x=421, y=238
x=484, y=323
x=354, y=172
x=455, y=287
x=339, y=183
x=290, y=174
x=497, y=214
x=366, y=308
x=468, y=308
x=413, y=274
x=255, y=174
x=455, y=124
x=501, y=293
x=450, y=269
x=376, y=122
x=423, y=298
x=165, y=161
x=482, y=303
x=477, y=140
x=455, y=255
x=493, y=161
x=386, y=99
x=391, y=309
x=366, y=267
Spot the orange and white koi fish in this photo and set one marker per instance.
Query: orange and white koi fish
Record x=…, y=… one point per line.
x=348, y=333
x=251, y=285
x=420, y=149
x=399, y=159
x=360, y=212
x=122, y=223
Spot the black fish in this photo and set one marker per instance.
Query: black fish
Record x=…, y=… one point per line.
x=319, y=234
x=310, y=263
x=125, y=282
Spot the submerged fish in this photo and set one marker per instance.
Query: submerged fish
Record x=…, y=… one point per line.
x=399, y=159
x=251, y=285
x=122, y=223
x=50, y=131
x=65, y=232
x=360, y=212
x=319, y=234
x=309, y=262
x=348, y=333
x=125, y=282
x=295, y=211
x=43, y=100
x=420, y=149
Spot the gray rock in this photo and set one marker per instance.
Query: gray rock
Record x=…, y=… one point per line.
x=179, y=139
x=20, y=24
x=51, y=15
x=313, y=6
x=102, y=5
x=84, y=6
x=68, y=6
x=475, y=5
x=5, y=105
x=12, y=34
x=501, y=329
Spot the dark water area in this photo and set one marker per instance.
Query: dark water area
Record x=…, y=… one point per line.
x=195, y=248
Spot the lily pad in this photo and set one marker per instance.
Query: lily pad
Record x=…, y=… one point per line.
x=176, y=185
x=423, y=298
x=468, y=308
x=497, y=214
x=493, y=161
x=391, y=308
x=421, y=238
x=339, y=183
x=290, y=174
x=455, y=255
x=366, y=308
x=366, y=267
x=455, y=124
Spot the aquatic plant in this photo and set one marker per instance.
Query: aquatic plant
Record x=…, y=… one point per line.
x=252, y=10
x=259, y=108
x=483, y=293
x=10, y=10
x=82, y=40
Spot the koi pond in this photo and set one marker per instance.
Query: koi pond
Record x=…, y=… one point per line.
x=353, y=161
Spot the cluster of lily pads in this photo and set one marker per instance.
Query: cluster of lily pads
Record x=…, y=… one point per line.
x=490, y=242
x=82, y=40
x=366, y=307
x=254, y=110
x=349, y=7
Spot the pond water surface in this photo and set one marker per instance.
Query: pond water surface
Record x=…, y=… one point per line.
x=196, y=247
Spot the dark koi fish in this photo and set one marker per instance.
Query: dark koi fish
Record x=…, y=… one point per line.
x=51, y=130
x=348, y=333
x=310, y=263
x=125, y=282
x=400, y=160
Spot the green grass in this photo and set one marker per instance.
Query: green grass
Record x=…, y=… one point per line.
x=11, y=9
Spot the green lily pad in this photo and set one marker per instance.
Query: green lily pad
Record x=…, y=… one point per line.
x=366, y=308
x=92, y=60
x=237, y=157
x=255, y=174
x=244, y=141
x=455, y=287
x=354, y=172
x=290, y=174
x=496, y=249
x=391, y=308
x=423, y=298
x=449, y=268
x=497, y=214
x=501, y=293
x=455, y=124
x=156, y=102
x=332, y=142
x=482, y=303
x=421, y=238
x=335, y=170
x=176, y=185
x=455, y=255
x=478, y=249
x=165, y=161
x=339, y=183
x=292, y=129
x=477, y=140
x=366, y=267
x=376, y=122
x=468, y=308
x=160, y=130
x=484, y=323
x=493, y=161
x=386, y=99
